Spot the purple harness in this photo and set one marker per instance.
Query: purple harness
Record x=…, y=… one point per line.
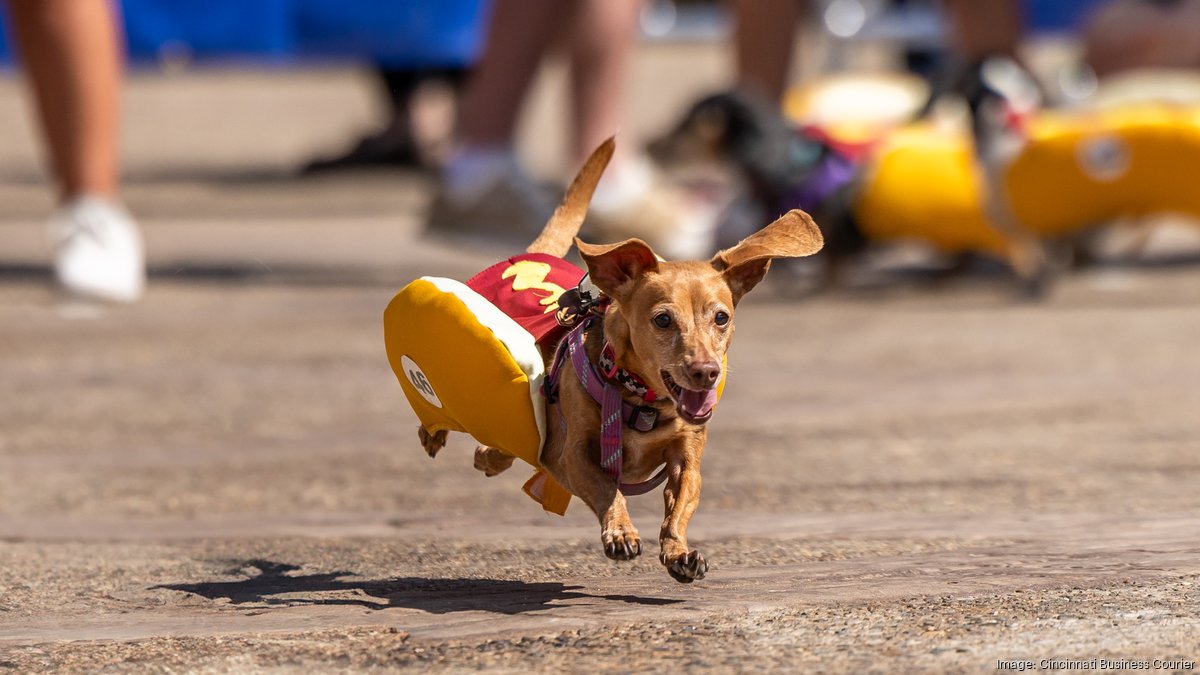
x=614, y=411
x=832, y=173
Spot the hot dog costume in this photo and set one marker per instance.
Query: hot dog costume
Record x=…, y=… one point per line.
x=1072, y=170
x=469, y=356
x=1068, y=170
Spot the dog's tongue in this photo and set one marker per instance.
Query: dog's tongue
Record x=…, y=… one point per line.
x=698, y=403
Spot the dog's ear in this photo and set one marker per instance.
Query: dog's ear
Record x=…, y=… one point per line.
x=612, y=266
x=794, y=235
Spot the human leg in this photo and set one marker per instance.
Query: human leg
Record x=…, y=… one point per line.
x=602, y=41
x=764, y=39
x=72, y=53
x=485, y=192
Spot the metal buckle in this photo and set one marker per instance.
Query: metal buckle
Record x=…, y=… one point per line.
x=642, y=418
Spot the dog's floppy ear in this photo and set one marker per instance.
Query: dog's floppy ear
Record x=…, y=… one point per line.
x=612, y=266
x=794, y=235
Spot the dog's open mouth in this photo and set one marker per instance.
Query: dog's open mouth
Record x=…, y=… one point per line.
x=694, y=406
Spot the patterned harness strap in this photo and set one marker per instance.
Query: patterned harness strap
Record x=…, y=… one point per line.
x=613, y=410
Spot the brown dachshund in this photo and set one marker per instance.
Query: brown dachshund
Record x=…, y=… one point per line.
x=661, y=342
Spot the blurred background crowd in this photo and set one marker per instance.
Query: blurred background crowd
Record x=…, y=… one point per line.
x=454, y=78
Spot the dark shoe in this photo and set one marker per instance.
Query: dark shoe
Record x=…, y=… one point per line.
x=372, y=152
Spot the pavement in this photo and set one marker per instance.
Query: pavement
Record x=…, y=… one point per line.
x=914, y=476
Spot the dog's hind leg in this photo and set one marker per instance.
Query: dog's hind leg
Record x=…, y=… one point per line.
x=432, y=442
x=492, y=461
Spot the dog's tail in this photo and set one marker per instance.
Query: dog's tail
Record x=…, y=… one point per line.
x=562, y=227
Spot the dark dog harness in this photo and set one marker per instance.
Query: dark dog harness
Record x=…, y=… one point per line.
x=615, y=412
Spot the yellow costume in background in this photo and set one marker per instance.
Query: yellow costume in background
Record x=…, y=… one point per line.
x=1066, y=171
x=1072, y=170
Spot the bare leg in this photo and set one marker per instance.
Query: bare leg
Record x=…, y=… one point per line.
x=764, y=37
x=982, y=29
x=483, y=184
x=602, y=41
x=519, y=35
x=72, y=55
x=631, y=199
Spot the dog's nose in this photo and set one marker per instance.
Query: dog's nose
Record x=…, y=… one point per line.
x=704, y=374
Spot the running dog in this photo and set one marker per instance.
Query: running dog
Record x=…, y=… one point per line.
x=631, y=385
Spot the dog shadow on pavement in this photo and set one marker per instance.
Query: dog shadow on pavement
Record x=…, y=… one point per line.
x=276, y=585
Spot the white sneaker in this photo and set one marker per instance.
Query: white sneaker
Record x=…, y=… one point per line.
x=98, y=250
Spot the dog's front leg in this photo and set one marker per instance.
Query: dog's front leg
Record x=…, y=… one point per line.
x=618, y=535
x=571, y=465
x=599, y=491
x=682, y=496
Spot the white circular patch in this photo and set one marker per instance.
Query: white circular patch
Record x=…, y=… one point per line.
x=1104, y=158
x=419, y=382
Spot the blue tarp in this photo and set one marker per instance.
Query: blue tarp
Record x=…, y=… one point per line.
x=1057, y=16
x=402, y=33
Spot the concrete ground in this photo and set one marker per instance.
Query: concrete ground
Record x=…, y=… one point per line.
x=225, y=477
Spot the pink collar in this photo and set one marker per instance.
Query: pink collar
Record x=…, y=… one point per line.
x=631, y=381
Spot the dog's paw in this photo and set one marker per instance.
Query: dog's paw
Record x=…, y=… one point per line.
x=432, y=442
x=621, y=544
x=492, y=461
x=686, y=568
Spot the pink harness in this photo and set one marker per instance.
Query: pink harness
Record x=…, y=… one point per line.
x=614, y=411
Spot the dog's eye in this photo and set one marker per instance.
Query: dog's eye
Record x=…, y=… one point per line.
x=721, y=318
x=662, y=320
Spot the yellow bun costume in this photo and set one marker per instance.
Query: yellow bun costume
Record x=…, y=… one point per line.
x=1078, y=169
x=1071, y=170
x=923, y=184
x=469, y=356
x=445, y=342
x=1067, y=170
